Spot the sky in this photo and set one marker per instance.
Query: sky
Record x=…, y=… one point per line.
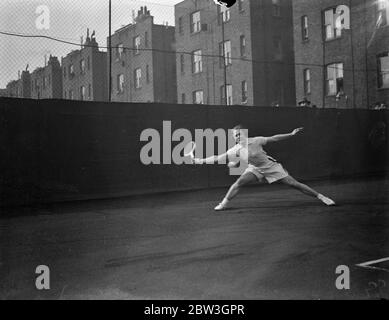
x=69, y=20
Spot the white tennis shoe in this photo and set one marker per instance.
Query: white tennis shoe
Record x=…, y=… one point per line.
x=326, y=200
x=222, y=206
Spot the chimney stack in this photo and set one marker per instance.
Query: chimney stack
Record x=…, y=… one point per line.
x=142, y=13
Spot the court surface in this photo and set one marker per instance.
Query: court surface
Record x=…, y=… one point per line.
x=275, y=243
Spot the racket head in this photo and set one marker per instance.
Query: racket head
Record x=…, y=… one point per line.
x=189, y=149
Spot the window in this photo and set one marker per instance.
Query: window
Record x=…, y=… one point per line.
x=242, y=45
x=44, y=82
x=304, y=28
x=183, y=98
x=71, y=95
x=82, y=66
x=276, y=8
x=240, y=5
x=65, y=94
x=307, y=81
x=244, y=92
x=147, y=74
x=119, y=51
x=197, y=63
x=89, y=91
x=383, y=71
x=195, y=22
x=229, y=95
x=334, y=79
x=277, y=48
x=224, y=14
x=146, y=39
x=82, y=93
x=64, y=73
x=138, y=78
x=383, y=13
x=88, y=63
x=182, y=63
x=180, y=26
x=333, y=29
x=120, y=83
x=71, y=71
x=225, y=52
x=136, y=45
x=198, y=97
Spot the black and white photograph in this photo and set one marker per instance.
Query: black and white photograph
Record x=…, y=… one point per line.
x=218, y=152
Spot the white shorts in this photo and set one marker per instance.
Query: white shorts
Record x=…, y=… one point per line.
x=272, y=174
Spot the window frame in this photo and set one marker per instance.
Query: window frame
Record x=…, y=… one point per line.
x=244, y=91
x=243, y=45
x=336, y=33
x=224, y=14
x=380, y=72
x=138, y=80
x=180, y=25
x=71, y=71
x=197, y=61
x=146, y=39
x=119, y=51
x=136, y=44
x=82, y=66
x=147, y=74
x=305, y=28
x=225, y=56
x=182, y=63
x=82, y=93
x=194, y=96
x=120, y=83
x=337, y=89
x=229, y=100
x=307, y=81
x=195, y=26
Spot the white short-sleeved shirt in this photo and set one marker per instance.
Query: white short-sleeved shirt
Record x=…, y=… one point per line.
x=253, y=153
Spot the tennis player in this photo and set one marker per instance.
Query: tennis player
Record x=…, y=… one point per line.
x=261, y=167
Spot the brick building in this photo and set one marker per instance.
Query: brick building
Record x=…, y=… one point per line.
x=20, y=88
x=3, y=93
x=84, y=73
x=256, y=39
x=341, y=52
x=143, y=62
x=46, y=82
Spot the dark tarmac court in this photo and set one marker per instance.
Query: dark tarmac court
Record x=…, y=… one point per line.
x=273, y=244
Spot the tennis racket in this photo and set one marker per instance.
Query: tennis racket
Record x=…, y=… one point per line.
x=189, y=149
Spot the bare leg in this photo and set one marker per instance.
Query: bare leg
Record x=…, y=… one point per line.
x=244, y=180
x=292, y=182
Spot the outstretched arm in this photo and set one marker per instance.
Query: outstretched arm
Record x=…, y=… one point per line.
x=211, y=160
x=280, y=137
